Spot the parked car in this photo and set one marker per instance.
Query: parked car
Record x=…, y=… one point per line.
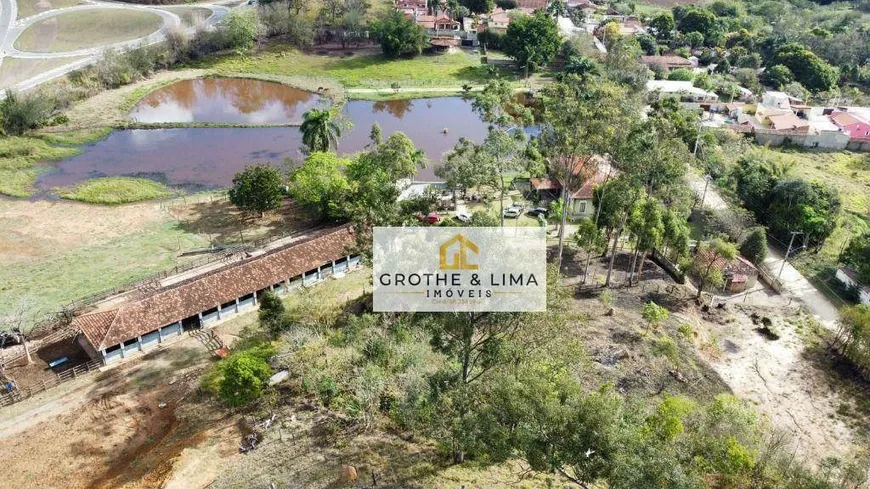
x=463, y=217
x=430, y=218
x=513, y=211
x=539, y=211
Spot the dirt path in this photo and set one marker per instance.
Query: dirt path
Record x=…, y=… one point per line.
x=795, y=284
x=777, y=376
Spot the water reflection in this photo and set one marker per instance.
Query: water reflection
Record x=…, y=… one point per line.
x=211, y=156
x=225, y=100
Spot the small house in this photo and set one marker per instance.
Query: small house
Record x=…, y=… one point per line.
x=740, y=274
x=666, y=63
x=849, y=278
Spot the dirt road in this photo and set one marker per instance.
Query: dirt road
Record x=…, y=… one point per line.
x=824, y=311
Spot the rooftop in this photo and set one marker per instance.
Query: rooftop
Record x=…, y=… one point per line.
x=139, y=315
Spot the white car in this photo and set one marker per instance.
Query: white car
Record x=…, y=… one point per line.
x=513, y=211
x=463, y=217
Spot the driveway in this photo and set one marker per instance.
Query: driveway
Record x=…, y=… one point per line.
x=10, y=29
x=795, y=284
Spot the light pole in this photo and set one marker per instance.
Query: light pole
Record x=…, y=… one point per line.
x=707, y=179
x=787, y=252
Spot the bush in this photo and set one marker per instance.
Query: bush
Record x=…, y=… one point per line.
x=754, y=247
x=492, y=39
x=506, y=4
x=22, y=113
x=241, y=377
x=681, y=74
x=242, y=28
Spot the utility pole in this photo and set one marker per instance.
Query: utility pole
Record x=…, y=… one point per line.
x=697, y=138
x=788, y=252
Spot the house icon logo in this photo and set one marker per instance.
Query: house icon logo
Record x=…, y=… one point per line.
x=454, y=253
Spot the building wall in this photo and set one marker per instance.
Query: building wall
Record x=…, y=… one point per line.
x=826, y=140
x=231, y=309
x=577, y=210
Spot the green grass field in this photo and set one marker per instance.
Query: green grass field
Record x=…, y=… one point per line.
x=26, y=8
x=60, y=278
x=115, y=190
x=87, y=29
x=849, y=173
x=19, y=157
x=360, y=71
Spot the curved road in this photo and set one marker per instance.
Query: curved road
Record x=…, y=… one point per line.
x=10, y=29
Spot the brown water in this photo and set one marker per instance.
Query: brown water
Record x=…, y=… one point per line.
x=211, y=156
x=225, y=100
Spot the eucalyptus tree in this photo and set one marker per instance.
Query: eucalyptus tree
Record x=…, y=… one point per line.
x=581, y=123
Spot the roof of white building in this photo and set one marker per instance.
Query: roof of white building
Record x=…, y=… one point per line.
x=673, y=86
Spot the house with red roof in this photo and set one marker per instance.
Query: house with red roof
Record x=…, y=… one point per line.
x=856, y=127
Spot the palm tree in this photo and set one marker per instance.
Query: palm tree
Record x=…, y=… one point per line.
x=319, y=131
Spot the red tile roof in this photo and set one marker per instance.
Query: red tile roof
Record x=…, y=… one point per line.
x=545, y=184
x=843, y=119
x=587, y=188
x=532, y=4
x=192, y=296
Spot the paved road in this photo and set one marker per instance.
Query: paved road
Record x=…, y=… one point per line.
x=10, y=28
x=794, y=283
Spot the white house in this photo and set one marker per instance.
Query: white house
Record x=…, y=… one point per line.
x=849, y=278
x=684, y=91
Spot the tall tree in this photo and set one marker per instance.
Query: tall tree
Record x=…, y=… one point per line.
x=375, y=184
x=532, y=40
x=460, y=170
x=320, y=184
x=257, y=188
x=577, y=128
x=857, y=256
x=621, y=194
x=398, y=35
x=320, y=131
x=648, y=228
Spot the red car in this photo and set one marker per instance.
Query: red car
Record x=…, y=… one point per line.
x=432, y=218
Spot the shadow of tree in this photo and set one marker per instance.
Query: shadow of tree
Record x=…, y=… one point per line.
x=224, y=224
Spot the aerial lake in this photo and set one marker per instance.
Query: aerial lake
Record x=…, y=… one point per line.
x=209, y=157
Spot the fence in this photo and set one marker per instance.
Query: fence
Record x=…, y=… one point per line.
x=226, y=255
x=59, y=378
x=9, y=356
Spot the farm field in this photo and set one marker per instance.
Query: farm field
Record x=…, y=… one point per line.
x=94, y=248
x=85, y=29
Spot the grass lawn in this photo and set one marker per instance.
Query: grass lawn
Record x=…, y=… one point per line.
x=848, y=172
x=16, y=70
x=360, y=71
x=190, y=16
x=115, y=190
x=26, y=8
x=87, y=29
x=18, y=163
x=59, y=278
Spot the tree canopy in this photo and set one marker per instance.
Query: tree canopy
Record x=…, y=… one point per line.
x=257, y=188
x=532, y=40
x=398, y=35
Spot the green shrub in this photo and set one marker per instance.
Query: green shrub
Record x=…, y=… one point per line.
x=22, y=113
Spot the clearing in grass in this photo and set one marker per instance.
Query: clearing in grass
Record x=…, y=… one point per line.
x=115, y=190
x=86, y=29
